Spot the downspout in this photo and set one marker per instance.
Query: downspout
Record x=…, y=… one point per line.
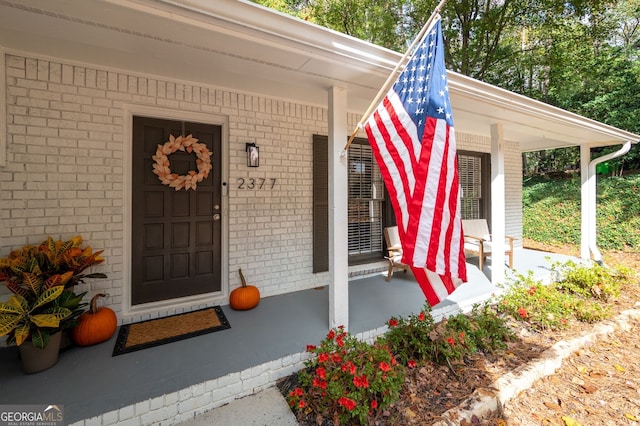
x=591, y=207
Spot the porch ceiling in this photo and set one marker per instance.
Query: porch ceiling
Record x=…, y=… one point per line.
x=238, y=45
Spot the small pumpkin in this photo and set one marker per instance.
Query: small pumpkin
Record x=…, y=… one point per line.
x=97, y=325
x=245, y=297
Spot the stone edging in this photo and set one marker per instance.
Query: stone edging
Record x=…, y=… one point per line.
x=484, y=401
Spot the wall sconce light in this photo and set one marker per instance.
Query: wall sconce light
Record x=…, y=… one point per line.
x=253, y=155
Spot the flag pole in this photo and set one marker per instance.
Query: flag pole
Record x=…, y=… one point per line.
x=391, y=79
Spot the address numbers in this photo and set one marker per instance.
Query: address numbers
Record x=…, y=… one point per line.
x=256, y=183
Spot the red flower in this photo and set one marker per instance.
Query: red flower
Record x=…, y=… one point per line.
x=323, y=357
x=295, y=392
x=374, y=404
x=421, y=316
x=522, y=312
x=563, y=321
x=451, y=341
x=331, y=335
x=349, y=366
x=321, y=372
x=336, y=358
x=339, y=341
x=384, y=366
x=462, y=337
x=311, y=348
x=411, y=364
x=301, y=404
x=347, y=403
x=319, y=383
x=532, y=290
x=361, y=381
x=393, y=322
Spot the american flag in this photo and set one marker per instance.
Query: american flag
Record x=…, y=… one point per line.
x=412, y=137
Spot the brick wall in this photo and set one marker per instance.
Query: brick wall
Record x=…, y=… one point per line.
x=66, y=156
x=66, y=166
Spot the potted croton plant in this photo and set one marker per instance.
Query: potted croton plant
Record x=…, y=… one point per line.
x=43, y=303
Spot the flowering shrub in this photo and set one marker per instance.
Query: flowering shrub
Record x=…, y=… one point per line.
x=409, y=338
x=347, y=380
x=543, y=307
x=577, y=295
x=417, y=339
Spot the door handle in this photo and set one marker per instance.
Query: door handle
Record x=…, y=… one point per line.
x=216, y=216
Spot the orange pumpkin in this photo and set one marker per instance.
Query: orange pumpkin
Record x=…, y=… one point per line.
x=245, y=297
x=97, y=325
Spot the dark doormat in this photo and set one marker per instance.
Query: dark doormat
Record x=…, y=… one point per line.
x=155, y=332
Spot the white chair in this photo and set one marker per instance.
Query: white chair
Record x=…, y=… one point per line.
x=394, y=249
x=477, y=241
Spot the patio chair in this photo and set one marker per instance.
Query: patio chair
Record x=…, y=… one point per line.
x=394, y=249
x=477, y=241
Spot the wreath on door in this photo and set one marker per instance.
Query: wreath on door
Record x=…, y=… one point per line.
x=162, y=165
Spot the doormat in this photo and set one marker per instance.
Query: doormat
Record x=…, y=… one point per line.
x=155, y=332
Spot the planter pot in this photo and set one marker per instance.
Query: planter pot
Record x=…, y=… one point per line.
x=66, y=341
x=35, y=360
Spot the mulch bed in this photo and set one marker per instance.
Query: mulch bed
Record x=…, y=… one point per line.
x=598, y=385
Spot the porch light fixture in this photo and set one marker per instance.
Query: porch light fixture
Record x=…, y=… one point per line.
x=253, y=155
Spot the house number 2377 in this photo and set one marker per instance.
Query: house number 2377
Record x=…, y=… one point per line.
x=256, y=183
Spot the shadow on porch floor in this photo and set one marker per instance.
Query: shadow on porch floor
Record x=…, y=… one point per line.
x=89, y=381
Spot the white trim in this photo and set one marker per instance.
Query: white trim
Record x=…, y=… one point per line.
x=4, y=135
x=128, y=312
x=338, y=210
x=498, y=205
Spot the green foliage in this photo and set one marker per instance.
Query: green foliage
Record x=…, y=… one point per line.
x=41, y=278
x=551, y=211
x=347, y=380
x=589, y=281
x=578, y=294
x=543, y=307
x=416, y=339
x=409, y=339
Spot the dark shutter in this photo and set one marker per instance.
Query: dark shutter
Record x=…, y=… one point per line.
x=320, y=203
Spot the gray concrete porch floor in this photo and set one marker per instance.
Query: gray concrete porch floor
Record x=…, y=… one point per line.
x=89, y=381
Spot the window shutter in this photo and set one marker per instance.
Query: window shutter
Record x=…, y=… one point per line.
x=320, y=203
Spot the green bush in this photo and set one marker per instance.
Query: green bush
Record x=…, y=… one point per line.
x=417, y=339
x=578, y=294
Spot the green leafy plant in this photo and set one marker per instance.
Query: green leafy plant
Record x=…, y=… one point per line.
x=34, y=314
x=347, y=380
x=589, y=281
x=42, y=278
x=408, y=338
x=544, y=307
x=417, y=338
x=578, y=294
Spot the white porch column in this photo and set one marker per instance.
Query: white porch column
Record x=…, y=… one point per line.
x=585, y=205
x=497, y=204
x=338, y=210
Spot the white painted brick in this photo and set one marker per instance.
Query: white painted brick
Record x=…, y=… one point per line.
x=110, y=418
x=126, y=412
x=154, y=417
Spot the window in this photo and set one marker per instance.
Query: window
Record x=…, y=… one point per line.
x=368, y=208
x=366, y=201
x=473, y=172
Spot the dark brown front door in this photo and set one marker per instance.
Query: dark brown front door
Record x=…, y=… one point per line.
x=176, y=243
